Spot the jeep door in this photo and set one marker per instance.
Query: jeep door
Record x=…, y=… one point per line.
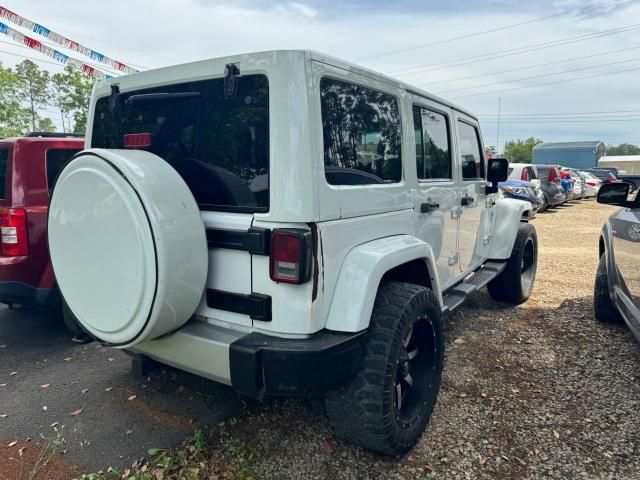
x=473, y=223
x=436, y=197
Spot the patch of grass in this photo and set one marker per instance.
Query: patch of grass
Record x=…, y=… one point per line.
x=51, y=447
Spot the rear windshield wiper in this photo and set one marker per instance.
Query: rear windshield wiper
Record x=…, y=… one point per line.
x=149, y=97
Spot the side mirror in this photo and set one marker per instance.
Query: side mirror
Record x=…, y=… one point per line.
x=615, y=194
x=497, y=171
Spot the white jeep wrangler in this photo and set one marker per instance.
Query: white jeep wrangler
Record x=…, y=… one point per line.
x=287, y=223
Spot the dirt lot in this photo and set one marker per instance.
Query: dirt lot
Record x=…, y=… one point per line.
x=538, y=391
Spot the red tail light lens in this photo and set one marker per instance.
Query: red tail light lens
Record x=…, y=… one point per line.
x=290, y=260
x=13, y=232
x=137, y=140
x=523, y=176
x=591, y=183
x=552, y=175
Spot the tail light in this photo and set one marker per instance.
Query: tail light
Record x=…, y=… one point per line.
x=13, y=232
x=552, y=176
x=591, y=183
x=137, y=140
x=523, y=176
x=290, y=260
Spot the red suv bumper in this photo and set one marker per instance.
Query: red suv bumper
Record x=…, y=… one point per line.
x=27, y=279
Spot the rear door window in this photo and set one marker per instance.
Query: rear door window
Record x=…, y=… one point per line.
x=433, y=157
x=362, y=134
x=56, y=159
x=470, y=153
x=4, y=160
x=217, y=140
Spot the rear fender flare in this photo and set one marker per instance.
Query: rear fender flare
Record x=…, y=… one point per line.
x=509, y=213
x=360, y=275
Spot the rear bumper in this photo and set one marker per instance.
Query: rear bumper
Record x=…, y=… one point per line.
x=255, y=364
x=27, y=279
x=16, y=292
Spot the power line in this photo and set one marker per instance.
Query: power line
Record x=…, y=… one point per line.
x=559, y=113
x=514, y=51
x=484, y=32
x=549, y=83
x=33, y=58
x=539, y=76
x=527, y=67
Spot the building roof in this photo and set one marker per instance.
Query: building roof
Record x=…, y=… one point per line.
x=584, y=144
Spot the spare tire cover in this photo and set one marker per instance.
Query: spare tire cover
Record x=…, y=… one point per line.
x=127, y=245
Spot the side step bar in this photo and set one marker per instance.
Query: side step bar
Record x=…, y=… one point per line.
x=455, y=295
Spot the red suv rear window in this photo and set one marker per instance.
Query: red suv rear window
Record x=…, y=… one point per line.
x=4, y=159
x=56, y=159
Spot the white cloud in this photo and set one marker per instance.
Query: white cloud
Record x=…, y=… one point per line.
x=158, y=32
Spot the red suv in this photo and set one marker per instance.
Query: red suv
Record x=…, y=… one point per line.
x=28, y=169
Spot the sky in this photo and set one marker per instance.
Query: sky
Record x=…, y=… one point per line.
x=559, y=70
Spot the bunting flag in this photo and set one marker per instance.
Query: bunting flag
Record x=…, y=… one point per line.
x=62, y=41
x=55, y=54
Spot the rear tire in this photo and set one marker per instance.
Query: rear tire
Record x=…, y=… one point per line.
x=603, y=308
x=515, y=283
x=387, y=405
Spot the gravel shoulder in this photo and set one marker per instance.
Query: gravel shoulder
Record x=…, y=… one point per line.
x=537, y=391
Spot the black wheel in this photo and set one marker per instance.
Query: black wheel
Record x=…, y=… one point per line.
x=387, y=405
x=603, y=307
x=515, y=283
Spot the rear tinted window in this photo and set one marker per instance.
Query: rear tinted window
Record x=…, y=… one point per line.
x=4, y=159
x=218, y=143
x=56, y=159
x=432, y=144
x=361, y=132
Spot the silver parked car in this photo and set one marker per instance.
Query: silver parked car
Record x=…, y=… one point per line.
x=617, y=284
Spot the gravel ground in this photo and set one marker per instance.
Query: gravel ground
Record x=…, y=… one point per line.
x=537, y=391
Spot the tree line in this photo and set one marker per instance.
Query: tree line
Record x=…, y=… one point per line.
x=31, y=97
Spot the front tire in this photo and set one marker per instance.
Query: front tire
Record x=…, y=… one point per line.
x=515, y=283
x=387, y=405
x=603, y=308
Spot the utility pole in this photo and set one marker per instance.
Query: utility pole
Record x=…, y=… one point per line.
x=498, y=133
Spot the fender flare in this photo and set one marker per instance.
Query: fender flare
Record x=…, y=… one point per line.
x=361, y=273
x=508, y=213
x=612, y=271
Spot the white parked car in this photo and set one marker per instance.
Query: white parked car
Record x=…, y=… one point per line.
x=525, y=172
x=287, y=223
x=592, y=184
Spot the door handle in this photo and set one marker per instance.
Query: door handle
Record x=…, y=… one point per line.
x=428, y=207
x=467, y=200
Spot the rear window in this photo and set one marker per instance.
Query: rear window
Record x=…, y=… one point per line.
x=218, y=143
x=57, y=158
x=362, y=135
x=4, y=159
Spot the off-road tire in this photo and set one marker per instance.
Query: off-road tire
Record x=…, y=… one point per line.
x=510, y=285
x=364, y=411
x=603, y=308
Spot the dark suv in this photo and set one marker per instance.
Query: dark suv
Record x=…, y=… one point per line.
x=28, y=168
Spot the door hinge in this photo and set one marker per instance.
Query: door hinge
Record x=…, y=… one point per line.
x=487, y=240
x=490, y=202
x=453, y=258
x=456, y=212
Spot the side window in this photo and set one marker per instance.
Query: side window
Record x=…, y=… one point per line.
x=433, y=157
x=4, y=159
x=362, y=135
x=56, y=159
x=470, y=157
x=532, y=173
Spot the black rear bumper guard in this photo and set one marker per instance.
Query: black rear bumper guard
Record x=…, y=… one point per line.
x=264, y=365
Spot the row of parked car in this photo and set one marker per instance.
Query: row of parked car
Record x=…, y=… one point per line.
x=546, y=186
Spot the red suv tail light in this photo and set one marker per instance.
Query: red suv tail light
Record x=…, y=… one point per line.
x=13, y=232
x=290, y=260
